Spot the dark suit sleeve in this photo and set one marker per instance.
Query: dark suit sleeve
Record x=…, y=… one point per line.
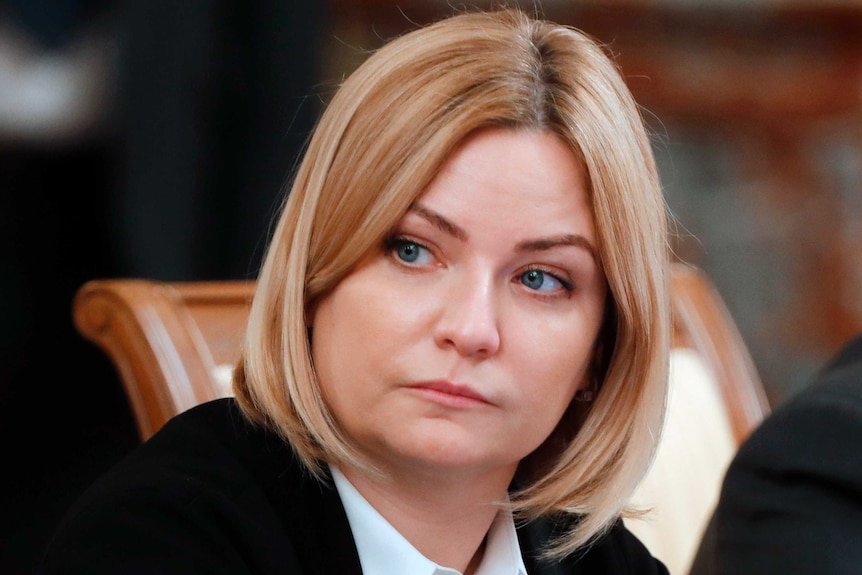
x=792, y=498
x=182, y=503
x=180, y=527
x=140, y=534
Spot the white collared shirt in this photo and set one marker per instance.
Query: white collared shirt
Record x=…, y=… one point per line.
x=384, y=551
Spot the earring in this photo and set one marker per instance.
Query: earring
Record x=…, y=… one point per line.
x=588, y=393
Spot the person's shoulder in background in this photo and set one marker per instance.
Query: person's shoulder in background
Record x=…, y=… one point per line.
x=792, y=498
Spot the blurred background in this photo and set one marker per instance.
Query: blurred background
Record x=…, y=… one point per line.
x=153, y=139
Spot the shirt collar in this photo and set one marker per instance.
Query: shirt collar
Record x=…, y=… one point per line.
x=384, y=551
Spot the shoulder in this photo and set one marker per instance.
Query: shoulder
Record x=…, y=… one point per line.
x=810, y=428
x=803, y=450
x=193, y=498
x=796, y=483
x=616, y=552
x=211, y=447
x=839, y=384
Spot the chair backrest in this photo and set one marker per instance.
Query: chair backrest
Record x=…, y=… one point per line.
x=174, y=345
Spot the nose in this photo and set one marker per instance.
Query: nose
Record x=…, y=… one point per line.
x=468, y=321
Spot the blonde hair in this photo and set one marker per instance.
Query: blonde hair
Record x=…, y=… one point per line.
x=379, y=144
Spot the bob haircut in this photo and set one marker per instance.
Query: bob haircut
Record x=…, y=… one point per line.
x=380, y=142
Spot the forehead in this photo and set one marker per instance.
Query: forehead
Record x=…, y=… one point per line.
x=516, y=176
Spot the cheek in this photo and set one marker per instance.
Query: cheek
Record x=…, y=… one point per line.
x=340, y=359
x=562, y=353
x=553, y=394
x=335, y=340
x=554, y=364
x=355, y=332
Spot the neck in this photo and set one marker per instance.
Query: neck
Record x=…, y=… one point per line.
x=446, y=520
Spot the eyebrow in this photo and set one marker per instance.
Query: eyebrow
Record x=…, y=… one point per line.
x=538, y=245
x=440, y=222
x=542, y=244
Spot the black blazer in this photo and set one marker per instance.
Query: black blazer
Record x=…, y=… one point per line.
x=791, y=501
x=210, y=493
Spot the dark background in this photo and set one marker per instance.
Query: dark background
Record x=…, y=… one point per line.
x=176, y=176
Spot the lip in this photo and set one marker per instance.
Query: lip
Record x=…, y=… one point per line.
x=449, y=393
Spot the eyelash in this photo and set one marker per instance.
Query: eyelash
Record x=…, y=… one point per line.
x=566, y=284
x=392, y=243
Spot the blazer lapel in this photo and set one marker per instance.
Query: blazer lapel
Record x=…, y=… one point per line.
x=309, y=510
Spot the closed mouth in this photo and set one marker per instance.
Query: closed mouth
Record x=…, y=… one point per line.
x=450, y=392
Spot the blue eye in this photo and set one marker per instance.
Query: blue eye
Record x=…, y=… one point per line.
x=541, y=281
x=408, y=251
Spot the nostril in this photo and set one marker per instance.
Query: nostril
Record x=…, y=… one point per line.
x=468, y=336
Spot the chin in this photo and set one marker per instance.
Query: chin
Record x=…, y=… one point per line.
x=458, y=458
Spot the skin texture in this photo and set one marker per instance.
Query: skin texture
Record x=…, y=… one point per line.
x=452, y=352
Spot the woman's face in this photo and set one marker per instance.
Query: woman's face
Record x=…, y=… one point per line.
x=459, y=343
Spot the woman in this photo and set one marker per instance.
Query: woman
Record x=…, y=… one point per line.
x=461, y=323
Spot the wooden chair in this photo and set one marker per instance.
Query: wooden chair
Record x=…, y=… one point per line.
x=174, y=345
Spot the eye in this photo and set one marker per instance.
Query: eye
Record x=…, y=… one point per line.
x=408, y=251
x=543, y=282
